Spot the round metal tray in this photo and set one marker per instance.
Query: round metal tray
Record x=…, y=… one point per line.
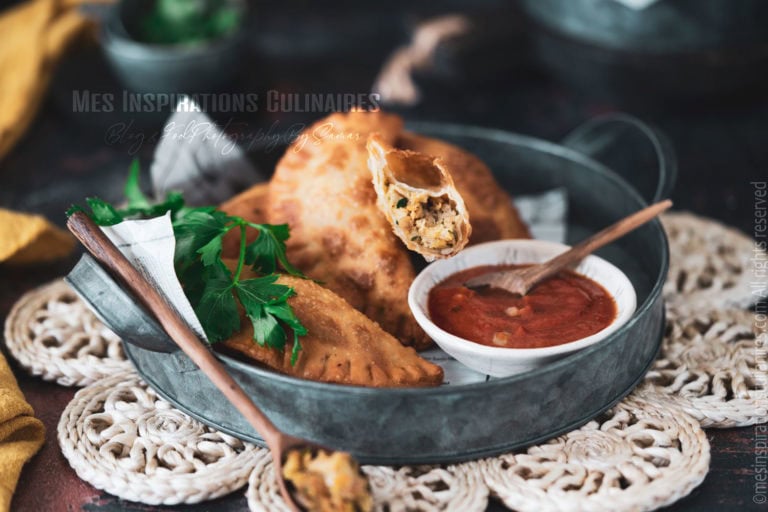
x=457, y=422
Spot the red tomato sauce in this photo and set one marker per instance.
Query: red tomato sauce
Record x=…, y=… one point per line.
x=563, y=308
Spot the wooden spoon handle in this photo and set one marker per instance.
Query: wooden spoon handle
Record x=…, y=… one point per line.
x=102, y=248
x=590, y=244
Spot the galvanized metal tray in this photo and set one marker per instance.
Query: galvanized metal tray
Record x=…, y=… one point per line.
x=457, y=422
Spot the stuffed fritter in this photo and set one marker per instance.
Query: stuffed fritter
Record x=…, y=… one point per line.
x=416, y=194
x=341, y=346
x=322, y=189
x=493, y=215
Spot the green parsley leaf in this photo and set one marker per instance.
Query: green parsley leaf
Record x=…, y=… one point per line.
x=263, y=290
x=266, y=330
x=174, y=202
x=402, y=203
x=194, y=231
x=193, y=282
x=134, y=195
x=187, y=22
x=285, y=313
x=296, y=349
x=261, y=254
x=210, y=253
x=257, y=295
x=183, y=211
x=217, y=309
x=75, y=208
x=104, y=214
x=269, y=248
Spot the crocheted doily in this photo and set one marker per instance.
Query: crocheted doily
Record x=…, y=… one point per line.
x=119, y=436
x=643, y=454
x=53, y=334
x=709, y=265
x=710, y=364
x=422, y=488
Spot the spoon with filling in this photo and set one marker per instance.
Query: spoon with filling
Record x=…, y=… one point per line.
x=521, y=280
x=311, y=478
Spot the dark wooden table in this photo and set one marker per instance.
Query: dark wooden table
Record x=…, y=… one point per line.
x=722, y=145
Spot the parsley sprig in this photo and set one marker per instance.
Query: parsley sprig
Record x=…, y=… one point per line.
x=212, y=288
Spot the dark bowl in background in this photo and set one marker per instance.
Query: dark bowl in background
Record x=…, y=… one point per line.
x=173, y=68
x=673, y=48
x=669, y=26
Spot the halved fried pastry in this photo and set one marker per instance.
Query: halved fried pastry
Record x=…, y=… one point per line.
x=493, y=215
x=322, y=189
x=416, y=194
x=250, y=205
x=342, y=345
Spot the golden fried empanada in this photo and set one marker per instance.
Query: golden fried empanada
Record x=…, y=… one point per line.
x=322, y=189
x=250, y=205
x=342, y=345
x=493, y=215
x=416, y=194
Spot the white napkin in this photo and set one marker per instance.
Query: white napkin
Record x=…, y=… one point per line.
x=150, y=246
x=197, y=158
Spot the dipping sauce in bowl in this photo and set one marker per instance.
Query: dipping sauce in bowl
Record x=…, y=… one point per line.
x=563, y=308
x=457, y=333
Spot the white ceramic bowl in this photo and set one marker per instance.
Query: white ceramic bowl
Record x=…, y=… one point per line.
x=500, y=361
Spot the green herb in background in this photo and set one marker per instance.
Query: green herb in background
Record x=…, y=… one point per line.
x=212, y=288
x=189, y=21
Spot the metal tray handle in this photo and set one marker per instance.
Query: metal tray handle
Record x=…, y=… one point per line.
x=604, y=139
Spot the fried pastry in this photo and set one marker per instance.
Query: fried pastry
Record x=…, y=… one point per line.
x=341, y=346
x=327, y=481
x=249, y=205
x=493, y=215
x=322, y=189
x=416, y=194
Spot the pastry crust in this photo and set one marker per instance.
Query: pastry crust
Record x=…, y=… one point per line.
x=416, y=194
x=494, y=217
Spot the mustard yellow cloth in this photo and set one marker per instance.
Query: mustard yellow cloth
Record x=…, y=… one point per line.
x=27, y=239
x=21, y=434
x=33, y=37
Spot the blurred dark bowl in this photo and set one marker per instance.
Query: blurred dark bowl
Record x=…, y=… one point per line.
x=157, y=68
x=669, y=26
x=673, y=48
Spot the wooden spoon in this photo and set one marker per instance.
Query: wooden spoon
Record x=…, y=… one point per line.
x=520, y=281
x=102, y=248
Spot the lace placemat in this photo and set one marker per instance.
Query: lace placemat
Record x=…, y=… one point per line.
x=710, y=365
x=53, y=334
x=646, y=452
x=119, y=436
x=710, y=265
x=643, y=454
